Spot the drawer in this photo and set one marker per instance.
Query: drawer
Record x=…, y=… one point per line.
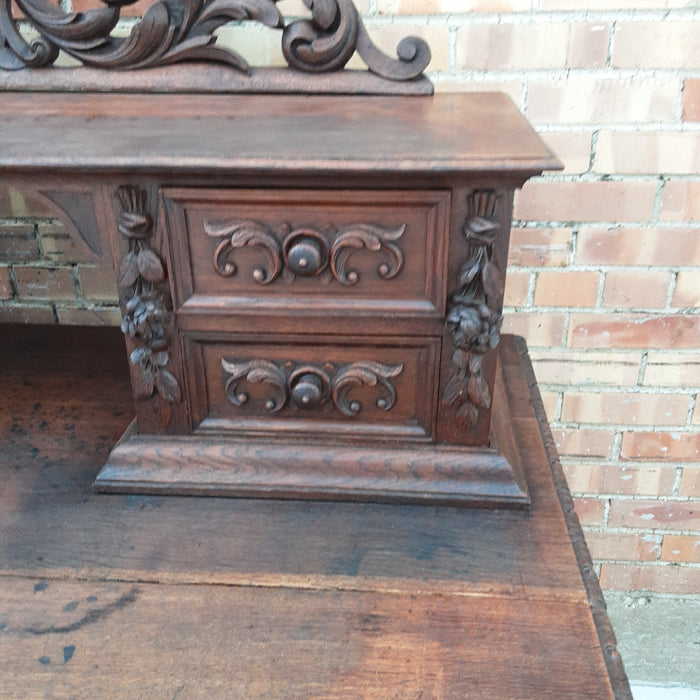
x=369, y=251
x=318, y=386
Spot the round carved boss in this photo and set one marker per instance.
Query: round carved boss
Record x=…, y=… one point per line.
x=306, y=252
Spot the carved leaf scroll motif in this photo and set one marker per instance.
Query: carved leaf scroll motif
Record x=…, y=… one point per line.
x=307, y=251
x=472, y=321
x=311, y=386
x=172, y=31
x=146, y=319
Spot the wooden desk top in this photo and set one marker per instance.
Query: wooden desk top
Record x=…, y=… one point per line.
x=263, y=133
x=140, y=596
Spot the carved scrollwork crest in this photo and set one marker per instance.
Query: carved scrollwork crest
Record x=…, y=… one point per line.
x=471, y=319
x=306, y=251
x=310, y=386
x=172, y=31
x=145, y=300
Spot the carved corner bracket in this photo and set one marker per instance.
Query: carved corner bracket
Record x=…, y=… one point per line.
x=146, y=304
x=306, y=251
x=310, y=386
x=472, y=319
x=172, y=31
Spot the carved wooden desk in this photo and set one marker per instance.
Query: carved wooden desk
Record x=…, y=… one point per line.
x=311, y=285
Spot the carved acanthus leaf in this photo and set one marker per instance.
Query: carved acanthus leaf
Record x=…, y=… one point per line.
x=367, y=373
x=172, y=31
x=256, y=372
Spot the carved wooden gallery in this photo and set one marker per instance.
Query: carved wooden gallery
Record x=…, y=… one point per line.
x=310, y=264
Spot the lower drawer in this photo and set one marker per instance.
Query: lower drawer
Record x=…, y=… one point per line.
x=384, y=388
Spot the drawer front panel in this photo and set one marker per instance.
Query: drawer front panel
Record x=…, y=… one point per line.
x=337, y=248
x=317, y=386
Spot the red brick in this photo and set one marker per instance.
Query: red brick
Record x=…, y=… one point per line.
x=691, y=100
x=566, y=288
x=639, y=481
x=98, y=283
x=681, y=548
x=512, y=88
x=623, y=547
x=690, y=482
x=625, y=408
x=584, y=478
x=44, y=283
x=539, y=329
x=18, y=243
x=584, y=442
x=517, y=287
x=633, y=331
x=630, y=246
x=539, y=247
x=661, y=44
x=610, y=4
x=602, y=100
x=585, y=201
x=672, y=369
x=586, y=367
x=680, y=580
x=652, y=515
x=687, y=291
x=550, y=401
x=647, y=153
x=136, y=10
x=6, y=289
x=434, y=7
x=675, y=446
x=590, y=511
x=100, y=316
x=26, y=313
x=573, y=148
x=681, y=201
x=632, y=289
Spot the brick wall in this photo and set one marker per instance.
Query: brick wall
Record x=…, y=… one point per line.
x=604, y=273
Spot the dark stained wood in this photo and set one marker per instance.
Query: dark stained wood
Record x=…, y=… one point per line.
x=125, y=595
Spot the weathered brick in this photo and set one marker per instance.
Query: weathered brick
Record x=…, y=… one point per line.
x=532, y=45
x=638, y=481
x=98, y=283
x=18, y=243
x=625, y=408
x=661, y=44
x=631, y=246
x=26, y=313
x=539, y=247
x=691, y=100
x=637, y=152
x=44, y=283
x=673, y=446
x=690, y=482
x=651, y=514
x=687, y=291
x=99, y=316
x=681, y=201
x=6, y=288
x=602, y=100
x=585, y=201
x=681, y=548
x=584, y=367
x=590, y=511
x=680, y=580
x=61, y=247
x=512, y=88
x=623, y=547
x=539, y=329
x=672, y=369
x=550, y=401
x=434, y=7
x=566, y=288
x=612, y=4
x=584, y=478
x=573, y=148
x=633, y=331
x=584, y=442
x=634, y=289
x=517, y=286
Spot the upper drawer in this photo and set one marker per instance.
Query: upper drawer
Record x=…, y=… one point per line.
x=373, y=251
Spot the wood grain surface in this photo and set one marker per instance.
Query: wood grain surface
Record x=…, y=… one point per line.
x=144, y=596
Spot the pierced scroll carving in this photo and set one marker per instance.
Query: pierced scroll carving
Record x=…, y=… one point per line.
x=147, y=319
x=172, y=31
x=311, y=386
x=306, y=251
x=471, y=319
